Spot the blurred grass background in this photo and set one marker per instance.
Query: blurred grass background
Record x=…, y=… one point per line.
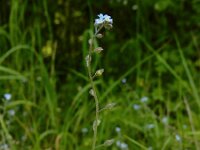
x=151, y=62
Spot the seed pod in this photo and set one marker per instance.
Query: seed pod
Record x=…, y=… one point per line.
x=109, y=106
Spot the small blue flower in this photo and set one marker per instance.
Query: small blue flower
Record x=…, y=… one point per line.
x=144, y=99
x=4, y=146
x=100, y=20
x=84, y=130
x=150, y=148
x=136, y=107
x=122, y=145
x=101, y=16
x=11, y=112
x=164, y=120
x=108, y=19
x=124, y=80
x=178, y=138
x=118, y=129
x=7, y=96
x=103, y=19
x=150, y=126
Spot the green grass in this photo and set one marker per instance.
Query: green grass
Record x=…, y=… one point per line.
x=50, y=99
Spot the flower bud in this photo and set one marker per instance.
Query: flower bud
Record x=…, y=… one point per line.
x=92, y=92
x=88, y=60
x=90, y=41
x=108, y=142
x=98, y=49
x=108, y=26
x=99, y=35
x=96, y=124
x=109, y=106
x=99, y=73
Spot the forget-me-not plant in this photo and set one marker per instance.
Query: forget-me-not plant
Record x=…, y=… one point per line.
x=103, y=21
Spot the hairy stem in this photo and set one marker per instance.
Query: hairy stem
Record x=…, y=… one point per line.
x=95, y=96
x=96, y=103
x=95, y=125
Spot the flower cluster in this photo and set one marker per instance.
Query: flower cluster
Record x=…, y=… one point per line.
x=104, y=20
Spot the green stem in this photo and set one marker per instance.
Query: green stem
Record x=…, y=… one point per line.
x=95, y=98
x=97, y=114
x=95, y=128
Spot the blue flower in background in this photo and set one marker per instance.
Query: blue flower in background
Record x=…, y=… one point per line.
x=150, y=126
x=164, y=120
x=136, y=107
x=178, y=138
x=144, y=99
x=7, y=96
x=122, y=145
x=118, y=129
